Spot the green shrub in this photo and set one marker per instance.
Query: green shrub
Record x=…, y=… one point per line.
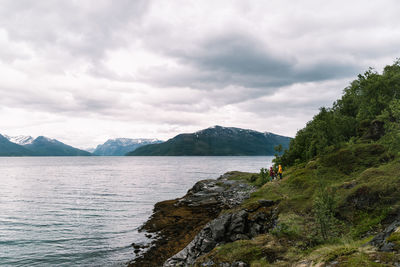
x=324, y=206
x=290, y=226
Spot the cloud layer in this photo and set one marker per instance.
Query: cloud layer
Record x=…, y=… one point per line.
x=83, y=72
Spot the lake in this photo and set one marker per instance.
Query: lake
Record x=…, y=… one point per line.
x=63, y=211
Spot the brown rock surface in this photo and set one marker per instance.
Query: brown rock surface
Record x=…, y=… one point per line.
x=176, y=222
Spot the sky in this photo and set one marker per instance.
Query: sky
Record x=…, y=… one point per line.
x=86, y=71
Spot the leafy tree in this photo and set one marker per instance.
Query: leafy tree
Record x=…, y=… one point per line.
x=370, y=98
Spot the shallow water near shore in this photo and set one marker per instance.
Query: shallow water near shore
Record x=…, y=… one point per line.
x=63, y=211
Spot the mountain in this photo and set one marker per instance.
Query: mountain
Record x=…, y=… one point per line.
x=20, y=139
x=44, y=146
x=216, y=141
x=8, y=148
x=121, y=146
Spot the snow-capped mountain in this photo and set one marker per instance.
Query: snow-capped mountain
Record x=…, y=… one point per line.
x=121, y=146
x=8, y=148
x=20, y=139
x=41, y=146
x=217, y=141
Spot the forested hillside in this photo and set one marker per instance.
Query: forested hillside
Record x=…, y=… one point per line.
x=369, y=111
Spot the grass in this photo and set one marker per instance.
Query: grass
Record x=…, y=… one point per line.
x=395, y=239
x=363, y=180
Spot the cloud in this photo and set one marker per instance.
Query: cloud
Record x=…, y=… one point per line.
x=237, y=59
x=71, y=24
x=84, y=70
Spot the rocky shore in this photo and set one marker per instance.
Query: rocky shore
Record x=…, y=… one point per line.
x=186, y=228
x=214, y=225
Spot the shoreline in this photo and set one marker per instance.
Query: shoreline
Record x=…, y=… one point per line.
x=175, y=223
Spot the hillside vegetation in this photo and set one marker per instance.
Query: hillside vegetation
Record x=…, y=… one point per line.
x=216, y=141
x=369, y=111
x=340, y=188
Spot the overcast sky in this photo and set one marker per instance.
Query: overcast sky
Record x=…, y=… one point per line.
x=86, y=71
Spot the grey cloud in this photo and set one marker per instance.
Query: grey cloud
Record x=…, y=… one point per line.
x=86, y=29
x=242, y=60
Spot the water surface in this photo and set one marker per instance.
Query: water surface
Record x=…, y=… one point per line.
x=63, y=211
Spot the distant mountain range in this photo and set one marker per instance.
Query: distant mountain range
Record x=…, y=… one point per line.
x=216, y=141
x=121, y=146
x=40, y=146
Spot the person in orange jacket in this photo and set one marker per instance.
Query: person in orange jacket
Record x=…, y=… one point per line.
x=280, y=171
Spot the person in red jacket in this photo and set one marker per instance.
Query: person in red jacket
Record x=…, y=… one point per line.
x=271, y=174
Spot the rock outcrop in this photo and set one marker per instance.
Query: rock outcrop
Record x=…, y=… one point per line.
x=175, y=223
x=244, y=224
x=383, y=240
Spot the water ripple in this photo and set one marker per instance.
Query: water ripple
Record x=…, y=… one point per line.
x=86, y=211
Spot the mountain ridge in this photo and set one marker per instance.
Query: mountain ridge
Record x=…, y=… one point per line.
x=216, y=141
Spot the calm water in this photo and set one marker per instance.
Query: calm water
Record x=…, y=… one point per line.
x=63, y=211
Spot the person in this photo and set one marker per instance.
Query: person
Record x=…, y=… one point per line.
x=280, y=171
x=271, y=174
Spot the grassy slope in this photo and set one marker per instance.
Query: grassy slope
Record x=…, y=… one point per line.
x=362, y=180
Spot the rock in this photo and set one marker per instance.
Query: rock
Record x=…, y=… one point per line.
x=218, y=229
x=255, y=229
x=208, y=263
x=239, y=237
x=138, y=246
x=381, y=240
x=226, y=228
x=175, y=224
x=387, y=247
x=207, y=245
x=239, y=264
x=238, y=222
